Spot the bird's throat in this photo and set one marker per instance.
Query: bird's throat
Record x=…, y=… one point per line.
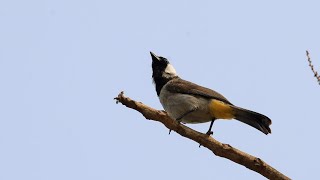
x=160, y=82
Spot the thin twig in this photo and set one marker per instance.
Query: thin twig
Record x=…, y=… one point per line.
x=218, y=148
x=312, y=68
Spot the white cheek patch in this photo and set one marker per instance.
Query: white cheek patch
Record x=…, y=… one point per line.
x=170, y=70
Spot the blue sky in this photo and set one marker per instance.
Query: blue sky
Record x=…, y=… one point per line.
x=63, y=62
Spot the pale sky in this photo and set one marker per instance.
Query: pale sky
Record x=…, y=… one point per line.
x=62, y=62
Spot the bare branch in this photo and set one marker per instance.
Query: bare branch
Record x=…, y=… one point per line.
x=218, y=148
x=312, y=69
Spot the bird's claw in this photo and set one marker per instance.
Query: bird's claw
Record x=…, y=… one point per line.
x=208, y=133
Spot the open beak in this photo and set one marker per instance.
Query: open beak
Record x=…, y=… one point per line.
x=154, y=57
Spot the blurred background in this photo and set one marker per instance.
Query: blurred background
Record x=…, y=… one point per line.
x=63, y=62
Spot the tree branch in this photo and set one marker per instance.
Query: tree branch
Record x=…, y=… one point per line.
x=218, y=148
x=312, y=69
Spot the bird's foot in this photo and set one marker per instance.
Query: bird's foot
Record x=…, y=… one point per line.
x=209, y=132
x=179, y=121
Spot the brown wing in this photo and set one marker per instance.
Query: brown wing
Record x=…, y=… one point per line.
x=185, y=87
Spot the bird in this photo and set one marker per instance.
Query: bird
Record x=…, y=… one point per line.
x=187, y=102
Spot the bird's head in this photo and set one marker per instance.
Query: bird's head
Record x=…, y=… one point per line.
x=162, y=68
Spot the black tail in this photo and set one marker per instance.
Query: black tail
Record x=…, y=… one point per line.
x=254, y=119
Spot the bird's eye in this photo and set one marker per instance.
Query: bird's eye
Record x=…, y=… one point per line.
x=164, y=59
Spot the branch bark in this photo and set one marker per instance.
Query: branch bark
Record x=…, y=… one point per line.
x=218, y=148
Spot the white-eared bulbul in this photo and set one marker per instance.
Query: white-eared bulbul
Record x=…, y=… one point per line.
x=187, y=102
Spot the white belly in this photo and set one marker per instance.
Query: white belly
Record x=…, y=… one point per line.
x=176, y=105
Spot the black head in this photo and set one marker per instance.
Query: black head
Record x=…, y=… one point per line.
x=161, y=67
x=162, y=71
